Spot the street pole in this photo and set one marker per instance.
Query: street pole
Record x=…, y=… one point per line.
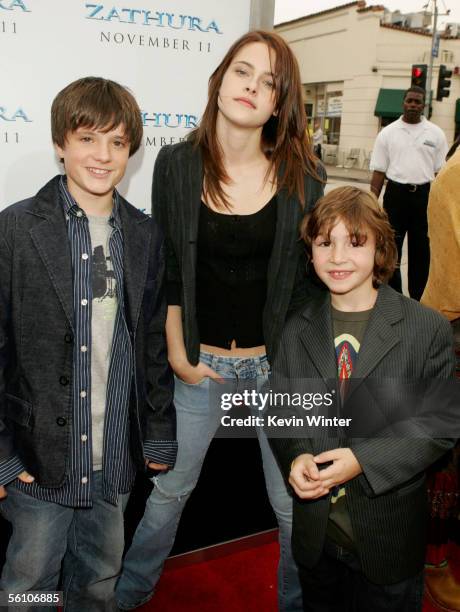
x=429, y=75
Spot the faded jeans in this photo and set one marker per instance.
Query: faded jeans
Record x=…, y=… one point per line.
x=89, y=540
x=197, y=422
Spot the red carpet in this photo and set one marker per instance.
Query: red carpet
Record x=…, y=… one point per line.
x=215, y=580
x=240, y=581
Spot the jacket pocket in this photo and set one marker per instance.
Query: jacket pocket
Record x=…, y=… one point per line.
x=411, y=486
x=18, y=410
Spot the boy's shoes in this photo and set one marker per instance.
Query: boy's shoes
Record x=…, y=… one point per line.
x=442, y=588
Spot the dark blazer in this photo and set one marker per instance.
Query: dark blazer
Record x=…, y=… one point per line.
x=387, y=502
x=36, y=334
x=176, y=197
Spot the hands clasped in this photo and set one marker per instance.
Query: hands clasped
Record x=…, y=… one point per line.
x=310, y=482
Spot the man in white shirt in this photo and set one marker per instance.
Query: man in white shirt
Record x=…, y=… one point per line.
x=409, y=152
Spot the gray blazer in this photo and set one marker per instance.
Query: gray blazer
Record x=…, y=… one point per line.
x=387, y=503
x=36, y=334
x=176, y=197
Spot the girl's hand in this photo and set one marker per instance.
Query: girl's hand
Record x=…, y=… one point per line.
x=192, y=375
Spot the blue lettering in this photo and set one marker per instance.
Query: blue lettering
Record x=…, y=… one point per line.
x=112, y=15
x=195, y=23
x=14, y=4
x=18, y=114
x=213, y=26
x=191, y=121
x=97, y=9
x=148, y=18
x=131, y=13
x=155, y=119
x=171, y=21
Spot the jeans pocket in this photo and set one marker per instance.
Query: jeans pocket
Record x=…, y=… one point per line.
x=197, y=384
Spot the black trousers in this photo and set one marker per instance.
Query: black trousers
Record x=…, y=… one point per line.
x=407, y=211
x=337, y=584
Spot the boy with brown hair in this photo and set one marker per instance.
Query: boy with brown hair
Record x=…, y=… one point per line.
x=85, y=385
x=360, y=503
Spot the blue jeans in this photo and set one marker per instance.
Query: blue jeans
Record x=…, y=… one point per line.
x=89, y=542
x=337, y=584
x=197, y=422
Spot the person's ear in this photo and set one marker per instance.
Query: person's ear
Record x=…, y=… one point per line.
x=59, y=152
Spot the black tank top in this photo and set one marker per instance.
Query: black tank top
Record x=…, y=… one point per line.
x=233, y=252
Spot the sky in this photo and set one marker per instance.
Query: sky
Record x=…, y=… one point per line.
x=285, y=10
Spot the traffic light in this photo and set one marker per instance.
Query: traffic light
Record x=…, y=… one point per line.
x=419, y=72
x=443, y=83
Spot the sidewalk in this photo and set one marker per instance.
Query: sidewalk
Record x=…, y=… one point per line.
x=352, y=174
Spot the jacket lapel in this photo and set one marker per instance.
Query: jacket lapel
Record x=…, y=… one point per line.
x=136, y=253
x=192, y=189
x=317, y=337
x=52, y=243
x=380, y=336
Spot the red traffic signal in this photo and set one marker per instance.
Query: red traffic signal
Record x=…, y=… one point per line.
x=418, y=76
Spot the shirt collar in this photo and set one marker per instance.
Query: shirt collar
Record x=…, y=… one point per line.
x=71, y=207
x=403, y=124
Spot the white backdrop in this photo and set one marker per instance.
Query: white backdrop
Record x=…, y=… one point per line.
x=163, y=51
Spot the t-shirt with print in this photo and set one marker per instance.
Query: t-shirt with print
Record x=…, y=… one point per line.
x=104, y=308
x=349, y=329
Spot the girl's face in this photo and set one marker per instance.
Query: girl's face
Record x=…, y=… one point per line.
x=247, y=93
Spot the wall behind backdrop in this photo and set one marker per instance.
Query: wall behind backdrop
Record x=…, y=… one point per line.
x=164, y=51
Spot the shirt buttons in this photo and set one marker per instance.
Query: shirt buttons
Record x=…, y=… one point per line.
x=84, y=438
x=79, y=213
x=82, y=393
x=84, y=480
x=83, y=349
x=85, y=256
x=84, y=302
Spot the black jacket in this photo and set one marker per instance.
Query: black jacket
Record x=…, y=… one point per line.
x=176, y=197
x=36, y=334
x=404, y=343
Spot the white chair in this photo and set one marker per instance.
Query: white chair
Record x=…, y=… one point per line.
x=352, y=158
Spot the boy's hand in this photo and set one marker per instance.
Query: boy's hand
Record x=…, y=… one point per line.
x=24, y=476
x=305, y=478
x=344, y=467
x=159, y=467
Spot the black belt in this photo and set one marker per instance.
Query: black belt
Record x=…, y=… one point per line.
x=410, y=186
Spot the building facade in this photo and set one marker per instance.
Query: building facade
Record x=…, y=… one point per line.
x=355, y=64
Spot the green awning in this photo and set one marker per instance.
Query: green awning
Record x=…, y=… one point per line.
x=457, y=111
x=389, y=103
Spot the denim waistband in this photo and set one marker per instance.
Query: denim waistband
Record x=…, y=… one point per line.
x=237, y=367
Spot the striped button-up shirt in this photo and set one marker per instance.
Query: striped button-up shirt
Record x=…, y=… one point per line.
x=118, y=466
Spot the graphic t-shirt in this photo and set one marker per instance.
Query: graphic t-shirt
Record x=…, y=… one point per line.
x=104, y=308
x=349, y=329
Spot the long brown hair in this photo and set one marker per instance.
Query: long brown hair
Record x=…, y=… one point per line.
x=285, y=141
